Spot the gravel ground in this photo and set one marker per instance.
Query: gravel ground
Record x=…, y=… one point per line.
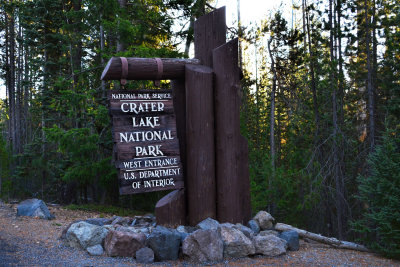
x=28, y=241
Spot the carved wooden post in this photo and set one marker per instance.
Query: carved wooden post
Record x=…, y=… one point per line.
x=233, y=187
x=170, y=210
x=200, y=176
x=209, y=33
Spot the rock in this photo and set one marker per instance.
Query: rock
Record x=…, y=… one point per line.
x=182, y=235
x=236, y=244
x=34, y=208
x=253, y=225
x=230, y=225
x=96, y=250
x=165, y=243
x=264, y=220
x=268, y=232
x=269, y=245
x=203, y=246
x=186, y=229
x=145, y=255
x=63, y=235
x=84, y=235
x=123, y=244
x=245, y=230
x=99, y=221
x=144, y=221
x=124, y=221
x=110, y=227
x=208, y=224
x=292, y=239
x=144, y=230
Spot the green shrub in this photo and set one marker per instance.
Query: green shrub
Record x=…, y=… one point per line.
x=380, y=195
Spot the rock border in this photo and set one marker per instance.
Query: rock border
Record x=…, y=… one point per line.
x=208, y=242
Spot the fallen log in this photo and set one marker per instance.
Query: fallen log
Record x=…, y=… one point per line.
x=321, y=239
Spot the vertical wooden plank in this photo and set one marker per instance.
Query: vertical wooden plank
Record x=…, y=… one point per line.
x=179, y=100
x=200, y=177
x=209, y=33
x=170, y=210
x=232, y=173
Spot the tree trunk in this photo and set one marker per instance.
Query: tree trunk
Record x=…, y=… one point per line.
x=189, y=38
x=313, y=84
x=77, y=43
x=240, y=35
x=321, y=239
x=11, y=81
x=102, y=45
x=370, y=89
x=18, y=96
x=336, y=166
x=272, y=122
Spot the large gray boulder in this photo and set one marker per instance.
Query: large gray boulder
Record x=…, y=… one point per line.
x=34, y=208
x=208, y=224
x=292, y=239
x=236, y=244
x=203, y=246
x=269, y=245
x=165, y=243
x=123, y=244
x=83, y=235
x=264, y=220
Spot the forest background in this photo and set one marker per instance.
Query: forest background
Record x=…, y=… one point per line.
x=320, y=106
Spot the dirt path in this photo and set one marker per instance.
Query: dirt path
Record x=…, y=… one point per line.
x=27, y=241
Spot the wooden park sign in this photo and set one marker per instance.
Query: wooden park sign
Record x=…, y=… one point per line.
x=145, y=137
x=202, y=122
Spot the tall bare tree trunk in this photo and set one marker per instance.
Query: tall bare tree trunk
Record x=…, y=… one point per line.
x=336, y=166
x=102, y=45
x=240, y=35
x=370, y=89
x=341, y=175
x=312, y=73
x=18, y=109
x=303, y=9
x=272, y=121
x=11, y=81
x=257, y=92
x=26, y=95
x=189, y=38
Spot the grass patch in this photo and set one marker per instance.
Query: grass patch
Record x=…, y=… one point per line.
x=105, y=210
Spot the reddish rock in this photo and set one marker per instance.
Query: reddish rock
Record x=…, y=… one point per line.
x=123, y=244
